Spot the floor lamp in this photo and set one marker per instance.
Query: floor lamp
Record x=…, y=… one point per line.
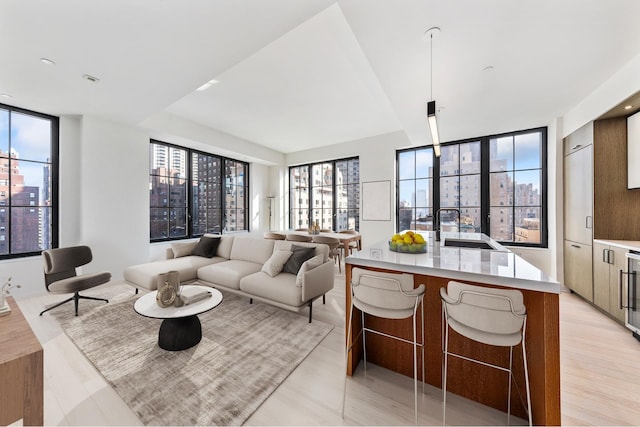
x=270, y=199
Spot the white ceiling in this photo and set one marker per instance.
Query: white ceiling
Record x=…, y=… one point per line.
x=299, y=74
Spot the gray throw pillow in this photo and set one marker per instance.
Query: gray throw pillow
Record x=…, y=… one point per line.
x=298, y=257
x=207, y=247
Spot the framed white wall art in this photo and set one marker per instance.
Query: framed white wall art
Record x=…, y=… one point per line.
x=376, y=201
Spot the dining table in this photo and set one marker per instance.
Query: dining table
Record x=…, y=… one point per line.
x=345, y=238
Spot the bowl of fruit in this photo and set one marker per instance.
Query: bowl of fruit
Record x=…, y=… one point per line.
x=408, y=242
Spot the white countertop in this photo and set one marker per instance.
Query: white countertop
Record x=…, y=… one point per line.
x=498, y=267
x=632, y=245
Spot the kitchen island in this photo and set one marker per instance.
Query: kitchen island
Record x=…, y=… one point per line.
x=497, y=267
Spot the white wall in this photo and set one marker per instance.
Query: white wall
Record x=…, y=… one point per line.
x=624, y=83
x=114, y=195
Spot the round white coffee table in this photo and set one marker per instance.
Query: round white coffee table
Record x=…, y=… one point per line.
x=180, y=329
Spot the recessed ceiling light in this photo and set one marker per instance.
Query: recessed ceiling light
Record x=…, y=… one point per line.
x=207, y=85
x=5, y=95
x=91, y=78
x=628, y=107
x=47, y=61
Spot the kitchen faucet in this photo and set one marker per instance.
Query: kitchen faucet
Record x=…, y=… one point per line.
x=437, y=220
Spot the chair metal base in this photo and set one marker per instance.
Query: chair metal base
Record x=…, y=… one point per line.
x=75, y=298
x=414, y=343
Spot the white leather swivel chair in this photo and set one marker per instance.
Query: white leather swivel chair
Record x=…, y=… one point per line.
x=491, y=316
x=390, y=296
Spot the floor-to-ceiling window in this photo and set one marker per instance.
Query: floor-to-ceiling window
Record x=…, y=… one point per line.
x=326, y=193
x=192, y=193
x=28, y=182
x=415, y=188
x=460, y=187
x=494, y=184
x=516, y=187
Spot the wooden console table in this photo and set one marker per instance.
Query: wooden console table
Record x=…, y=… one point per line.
x=21, y=370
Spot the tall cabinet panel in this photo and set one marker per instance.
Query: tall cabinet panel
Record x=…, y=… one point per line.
x=578, y=211
x=608, y=261
x=598, y=205
x=577, y=269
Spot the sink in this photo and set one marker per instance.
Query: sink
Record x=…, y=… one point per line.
x=461, y=243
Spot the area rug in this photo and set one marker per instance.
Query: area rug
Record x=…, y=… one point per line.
x=246, y=352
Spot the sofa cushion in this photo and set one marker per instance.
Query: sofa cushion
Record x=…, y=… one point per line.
x=320, y=249
x=146, y=275
x=207, y=246
x=274, y=264
x=251, y=249
x=299, y=255
x=309, y=264
x=224, y=248
x=281, y=288
x=228, y=273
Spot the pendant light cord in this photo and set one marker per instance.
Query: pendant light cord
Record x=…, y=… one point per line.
x=431, y=66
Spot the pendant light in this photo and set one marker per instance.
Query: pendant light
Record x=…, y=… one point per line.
x=431, y=105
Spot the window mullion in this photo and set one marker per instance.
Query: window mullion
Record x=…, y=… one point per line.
x=485, y=200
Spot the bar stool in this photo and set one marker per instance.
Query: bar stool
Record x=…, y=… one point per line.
x=389, y=296
x=491, y=316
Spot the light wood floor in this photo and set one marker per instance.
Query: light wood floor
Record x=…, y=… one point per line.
x=600, y=380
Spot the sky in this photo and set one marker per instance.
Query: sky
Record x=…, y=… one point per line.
x=30, y=139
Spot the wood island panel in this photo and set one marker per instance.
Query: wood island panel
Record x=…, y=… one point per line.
x=473, y=381
x=21, y=370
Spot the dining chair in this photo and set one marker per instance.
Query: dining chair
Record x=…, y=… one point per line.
x=352, y=245
x=334, y=251
x=298, y=238
x=492, y=316
x=274, y=236
x=389, y=296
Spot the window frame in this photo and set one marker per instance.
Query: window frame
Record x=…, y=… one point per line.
x=310, y=188
x=485, y=174
x=54, y=164
x=189, y=178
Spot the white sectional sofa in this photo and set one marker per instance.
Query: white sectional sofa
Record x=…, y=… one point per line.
x=250, y=267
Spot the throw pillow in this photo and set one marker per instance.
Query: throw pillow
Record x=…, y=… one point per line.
x=274, y=264
x=181, y=249
x=298, y=257
x=308, y=265
x=206, y=247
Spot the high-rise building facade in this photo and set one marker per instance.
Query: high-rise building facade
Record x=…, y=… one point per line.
x=21, y=228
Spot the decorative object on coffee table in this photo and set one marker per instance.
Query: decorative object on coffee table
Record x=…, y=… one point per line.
x=180, y=328
x=169, y=290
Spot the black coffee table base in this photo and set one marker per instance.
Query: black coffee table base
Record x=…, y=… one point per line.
x=180, y=333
